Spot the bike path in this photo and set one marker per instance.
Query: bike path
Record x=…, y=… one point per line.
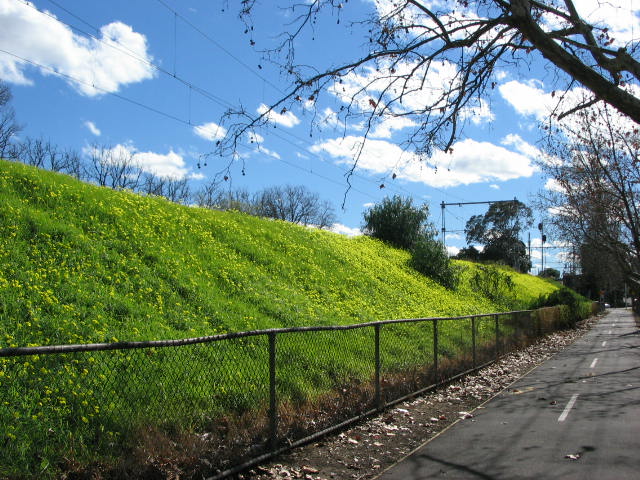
x=576, y=416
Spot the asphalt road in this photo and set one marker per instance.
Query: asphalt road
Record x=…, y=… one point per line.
x=577, y=416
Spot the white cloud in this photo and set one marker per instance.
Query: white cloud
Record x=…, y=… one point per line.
x=501, y=75
x=451, y=250
x=522, y=146
x=169, y=165
x=553, y=185
x=258, y=140
x=470, y=161
x=42, y=39
x=266, y=151
x=461, y=18
x=422, y=88
x=620, y=17
x=284, y=118
x=255, y=137
x=344, y=230
x=479, y=114
x=494, y=186
x=330, y=118
x=210, y=131
x=536, y=243
x=92, y=128
x=528, y=98
x=385, y=128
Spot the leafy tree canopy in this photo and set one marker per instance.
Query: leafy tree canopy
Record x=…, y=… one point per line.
x=397, y=221
x=499, y=231
x=550, y=273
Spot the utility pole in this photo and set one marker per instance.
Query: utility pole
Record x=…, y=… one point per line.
x=543, y=239
x=443, y=205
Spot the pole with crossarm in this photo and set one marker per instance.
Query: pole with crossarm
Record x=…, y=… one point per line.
x=443, y=205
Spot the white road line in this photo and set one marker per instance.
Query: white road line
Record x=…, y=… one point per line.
x=567, y=409
x=604, y=343
x=593, y=364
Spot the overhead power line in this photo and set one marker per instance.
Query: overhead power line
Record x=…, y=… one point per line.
x=192, y=87
x=154, y=110
x=443, y=206
x=217, y=44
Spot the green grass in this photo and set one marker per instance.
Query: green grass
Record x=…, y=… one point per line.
x=82, y=264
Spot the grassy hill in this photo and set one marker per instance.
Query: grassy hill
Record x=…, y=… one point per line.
x=82, y=264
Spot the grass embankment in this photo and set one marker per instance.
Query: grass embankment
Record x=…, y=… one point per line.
x=81, y=264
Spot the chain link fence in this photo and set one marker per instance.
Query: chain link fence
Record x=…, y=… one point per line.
x=217, y=404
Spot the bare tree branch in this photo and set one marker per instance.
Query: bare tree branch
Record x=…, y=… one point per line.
x=412, y=40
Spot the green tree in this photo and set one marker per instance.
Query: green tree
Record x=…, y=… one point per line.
x=430, y=258
x=397, y=221
x=550, y=273
x=499, y=231
x=400, y=223
x=469, y=253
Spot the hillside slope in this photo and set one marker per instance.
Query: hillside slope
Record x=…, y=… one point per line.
x=80, y=264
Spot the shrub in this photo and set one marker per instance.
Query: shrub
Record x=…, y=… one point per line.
x=577, y=307
x=430, y=258
x=396, y=221
x=494, y=284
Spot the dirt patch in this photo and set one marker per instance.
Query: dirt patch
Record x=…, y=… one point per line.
x=368, y=448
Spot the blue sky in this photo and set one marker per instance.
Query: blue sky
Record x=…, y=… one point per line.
x=155, y=76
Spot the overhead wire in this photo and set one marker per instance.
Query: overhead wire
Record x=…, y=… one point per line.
x=267, y=81
x=191, y=86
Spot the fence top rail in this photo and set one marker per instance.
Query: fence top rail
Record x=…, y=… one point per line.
x=93, y=347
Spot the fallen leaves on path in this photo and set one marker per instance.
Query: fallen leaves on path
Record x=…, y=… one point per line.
x=362, y=451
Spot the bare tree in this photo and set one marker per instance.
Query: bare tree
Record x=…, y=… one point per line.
x=113, y=167
x=124, y=170
x=151, y=184
x=55, y=158
x=177, y=190
x=294, y=204
x=411, y=42
x=206, y=196
x=32, y=151
x=238, y=200
x=45, y=154
x=72, y=163
x=595, y=194
x=97, y=168
x=174, y=189
x=9, y=128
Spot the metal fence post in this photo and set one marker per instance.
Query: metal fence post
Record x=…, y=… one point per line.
x=378, y=398
x=273, y=401
x=497, y=336
x=473, y=340
x=435, y=348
